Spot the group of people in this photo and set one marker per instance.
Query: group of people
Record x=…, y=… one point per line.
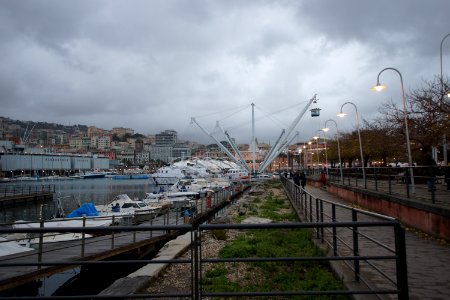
x=300, y=179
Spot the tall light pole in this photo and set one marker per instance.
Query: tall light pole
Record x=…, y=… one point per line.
x=442, y=78
x=380, y=87
x=325, y=144
x=444, y=140
x=316, y=138
x=342, y=114
x=339, y=149
x=305, y=158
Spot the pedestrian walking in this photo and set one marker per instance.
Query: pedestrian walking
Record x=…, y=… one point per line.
x=303, y=180
x=296, y=179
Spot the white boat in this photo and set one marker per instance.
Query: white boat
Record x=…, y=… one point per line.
x=236, y=173
x=167, y=175
x=8, y=247
x=90, y=175
x=123, y=205
x=30, y=241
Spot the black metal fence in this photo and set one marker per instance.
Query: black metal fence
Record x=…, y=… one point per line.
x=371, y=245
x=426, y=183
x=373, y=249
x=7, y=190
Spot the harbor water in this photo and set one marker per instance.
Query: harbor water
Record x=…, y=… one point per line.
x=74, y=192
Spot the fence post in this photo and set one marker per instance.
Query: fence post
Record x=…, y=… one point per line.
x=41, y=243
x=195, y=263
x=402, y=271
x=83, y=238
x=112, y=233
x=310, y=209
x=317, y=217
x=333, y=216
x=355, y=244
x=321, y=221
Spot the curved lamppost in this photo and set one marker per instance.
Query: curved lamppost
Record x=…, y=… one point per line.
x=448, y=95
x=339, y=149
x=342, y=114
x=442, y=78
x=379, y=88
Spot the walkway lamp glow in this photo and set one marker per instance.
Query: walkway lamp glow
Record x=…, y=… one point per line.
x=380, y=87
x=342, y=114
x=339, y=149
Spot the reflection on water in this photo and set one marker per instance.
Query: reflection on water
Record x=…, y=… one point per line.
x=77, y=191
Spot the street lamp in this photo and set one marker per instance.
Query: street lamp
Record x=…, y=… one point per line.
x=380, y=87
x=342, y=114
x=305, y=158
x=339, y=149
x=448, y=95
x=310, y=150
x=316, y=138
x=442, y=79
x=325, y=144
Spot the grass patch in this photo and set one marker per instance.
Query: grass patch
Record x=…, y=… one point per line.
x=271, y=276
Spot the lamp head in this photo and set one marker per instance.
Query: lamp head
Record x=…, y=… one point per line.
x=378, y=87
x=341, y=114
x=315, y=137
x=326, y=129
x=448, y=94
x=309, y=143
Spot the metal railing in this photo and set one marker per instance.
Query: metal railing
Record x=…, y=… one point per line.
x=21, y=190
x=375, y=255
x=429, y=181
x=328, y=228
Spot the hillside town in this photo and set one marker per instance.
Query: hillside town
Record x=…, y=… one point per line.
x=119, y=148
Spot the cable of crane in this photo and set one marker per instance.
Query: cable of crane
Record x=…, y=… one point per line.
x=222, y=111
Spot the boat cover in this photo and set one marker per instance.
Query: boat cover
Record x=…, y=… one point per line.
x=87, y=209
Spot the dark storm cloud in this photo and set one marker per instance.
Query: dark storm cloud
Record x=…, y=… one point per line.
x=152, y=65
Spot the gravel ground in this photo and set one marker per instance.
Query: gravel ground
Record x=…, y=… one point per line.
x=177, y=277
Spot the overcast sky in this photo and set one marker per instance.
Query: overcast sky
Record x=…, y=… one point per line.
x=153, y=65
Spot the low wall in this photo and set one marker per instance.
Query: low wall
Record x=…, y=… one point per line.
x=431, y=219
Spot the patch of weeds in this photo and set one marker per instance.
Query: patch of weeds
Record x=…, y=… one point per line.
x=274, y=276
x=219, y=234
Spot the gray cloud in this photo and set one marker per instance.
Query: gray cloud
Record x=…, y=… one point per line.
x=152, y=65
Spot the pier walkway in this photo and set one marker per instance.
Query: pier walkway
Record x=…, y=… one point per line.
x=428, y=258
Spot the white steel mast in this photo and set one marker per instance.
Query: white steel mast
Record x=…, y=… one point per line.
x=253, y=140
x=291, y=128
x=224, y=149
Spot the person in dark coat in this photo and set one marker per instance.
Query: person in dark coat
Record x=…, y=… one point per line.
x=303, y=180
x=296, y=179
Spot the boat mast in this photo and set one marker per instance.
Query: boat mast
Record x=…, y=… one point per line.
x=253, y=140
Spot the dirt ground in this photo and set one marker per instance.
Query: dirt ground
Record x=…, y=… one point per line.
x=177, y=277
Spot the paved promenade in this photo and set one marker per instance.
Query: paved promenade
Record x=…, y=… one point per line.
x=428, y=259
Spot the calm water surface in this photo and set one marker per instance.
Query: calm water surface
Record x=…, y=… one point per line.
x=78, y=191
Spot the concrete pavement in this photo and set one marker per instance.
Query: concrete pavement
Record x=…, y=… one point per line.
x=428, y=258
